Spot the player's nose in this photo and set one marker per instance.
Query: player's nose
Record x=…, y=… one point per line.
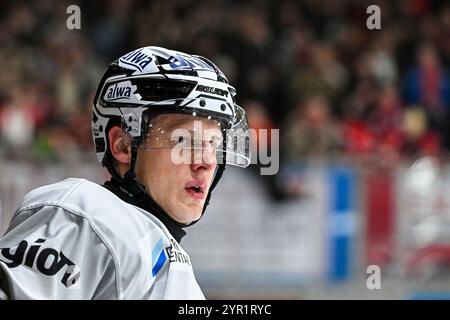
x=203, y=159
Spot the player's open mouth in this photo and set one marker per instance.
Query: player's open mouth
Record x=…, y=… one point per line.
x=196, y=189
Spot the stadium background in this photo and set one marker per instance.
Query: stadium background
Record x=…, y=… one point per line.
x=364, y=140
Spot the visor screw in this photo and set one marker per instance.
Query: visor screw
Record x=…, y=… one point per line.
x=202, y=103
x=222, y=107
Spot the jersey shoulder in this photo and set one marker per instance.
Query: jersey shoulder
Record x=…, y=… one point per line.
x=94, y=202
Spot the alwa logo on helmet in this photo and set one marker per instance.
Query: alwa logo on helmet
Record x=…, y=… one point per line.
x=138, y=59
x=122, y=92
x=142, y=62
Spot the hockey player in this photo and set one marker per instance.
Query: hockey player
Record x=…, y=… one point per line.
x=164, y=125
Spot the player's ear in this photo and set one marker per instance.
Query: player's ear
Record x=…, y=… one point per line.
x=120, y=145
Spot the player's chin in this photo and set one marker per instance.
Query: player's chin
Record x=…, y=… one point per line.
x=193, y=212
x=188, y=218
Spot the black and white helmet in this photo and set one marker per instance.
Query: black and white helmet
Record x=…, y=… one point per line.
x=154, y=80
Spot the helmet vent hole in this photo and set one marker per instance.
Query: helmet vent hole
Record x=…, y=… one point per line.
x=100, y=128
x=222, y=107
x=202, y=103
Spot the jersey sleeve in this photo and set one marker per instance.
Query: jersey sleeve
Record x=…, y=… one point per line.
x=51, y=253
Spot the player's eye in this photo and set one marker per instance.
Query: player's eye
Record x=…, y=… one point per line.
x=215, y=142
x=183, y=140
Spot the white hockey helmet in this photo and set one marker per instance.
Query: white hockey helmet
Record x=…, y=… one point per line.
x=154, y=80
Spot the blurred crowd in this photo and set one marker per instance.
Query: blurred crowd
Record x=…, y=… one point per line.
x=311, y=68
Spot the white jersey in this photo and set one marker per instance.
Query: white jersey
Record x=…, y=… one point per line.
x=77, y=240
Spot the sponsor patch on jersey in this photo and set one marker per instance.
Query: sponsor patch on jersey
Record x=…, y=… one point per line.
x=177, y=254
x=174, y=253
x=140, y=60
x=121, y=92
x=47, y=261
x=158, y=257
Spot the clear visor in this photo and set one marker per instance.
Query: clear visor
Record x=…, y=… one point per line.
x=197, y=136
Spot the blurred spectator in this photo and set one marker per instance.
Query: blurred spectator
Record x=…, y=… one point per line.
x=418, y=140
x=428, y=84
x=311, y=132
x=381, y=60
x=358, y=139
x=320, y=74
x=18, y=120
x=385, y=124
x=262, y=127
x=259, y=120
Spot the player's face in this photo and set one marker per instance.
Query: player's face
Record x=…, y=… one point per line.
x=176, y=168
